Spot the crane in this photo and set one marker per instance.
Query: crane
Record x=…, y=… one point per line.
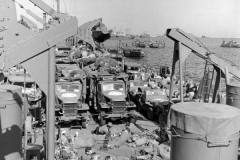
x=193, y=45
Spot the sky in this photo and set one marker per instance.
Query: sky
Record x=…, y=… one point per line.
x=213, y=18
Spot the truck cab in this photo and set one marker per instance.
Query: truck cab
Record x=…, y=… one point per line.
x=29, y=87
x=111, y=97
x=70, y=102
x=71, y=93
x=155, y=104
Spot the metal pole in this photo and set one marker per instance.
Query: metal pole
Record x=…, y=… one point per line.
x=44, y=20
x=175, y=51
x=226, y=76
x=58, y=6
x=25, y=117
x=180, y=70
x=51, y=105
x=171, y=87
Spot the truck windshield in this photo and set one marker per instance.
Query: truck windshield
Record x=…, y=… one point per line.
x=113, y=87
x=68, y=87
x=28, y=84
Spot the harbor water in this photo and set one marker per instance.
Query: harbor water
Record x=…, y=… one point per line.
x=194, y=66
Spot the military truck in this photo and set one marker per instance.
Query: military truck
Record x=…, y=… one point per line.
x=35, y=97
x=155, y=104
x=70, y=104
x=109, y=96
x=29, y=87
x=71, y=94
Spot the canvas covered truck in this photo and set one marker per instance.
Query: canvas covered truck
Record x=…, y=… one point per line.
x=155, y=105
x=109, y=96
x=70, y=104
x=71, y=94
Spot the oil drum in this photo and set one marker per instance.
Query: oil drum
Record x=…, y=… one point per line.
x=233, y=95
x=204, y=131
x=11, y=118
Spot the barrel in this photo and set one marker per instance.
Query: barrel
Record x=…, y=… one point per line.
x=233, y=95
x=204, y=131
x=11, y=104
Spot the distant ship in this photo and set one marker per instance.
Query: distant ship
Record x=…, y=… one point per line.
x=156, y=45
x=140, y=44
x=230, y=44
x=127, y=51
x=133, y=52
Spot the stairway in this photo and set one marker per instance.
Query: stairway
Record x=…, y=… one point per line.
x=205, y=88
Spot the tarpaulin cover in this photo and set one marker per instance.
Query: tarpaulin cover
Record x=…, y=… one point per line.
x=206, y=119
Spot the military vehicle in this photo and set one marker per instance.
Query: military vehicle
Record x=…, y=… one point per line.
x=71, y=94
x=34, y=96
x=70, y=72
x=155, y=104
x=29, y=87
x=62, y=55
x=70, y=104
x=109, y=96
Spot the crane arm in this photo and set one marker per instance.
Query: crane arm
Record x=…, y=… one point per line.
x=203, y=52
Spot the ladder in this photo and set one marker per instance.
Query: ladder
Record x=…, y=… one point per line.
x=205, y=88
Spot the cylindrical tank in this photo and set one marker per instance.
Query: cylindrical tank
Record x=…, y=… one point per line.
x=11, y=119
x=204, y=131
x=233, y=95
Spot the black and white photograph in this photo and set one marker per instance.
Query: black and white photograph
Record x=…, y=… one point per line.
x=119, y=79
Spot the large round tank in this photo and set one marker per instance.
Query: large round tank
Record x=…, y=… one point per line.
x=11, y=122
x=233, y=95
x=204, y=131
